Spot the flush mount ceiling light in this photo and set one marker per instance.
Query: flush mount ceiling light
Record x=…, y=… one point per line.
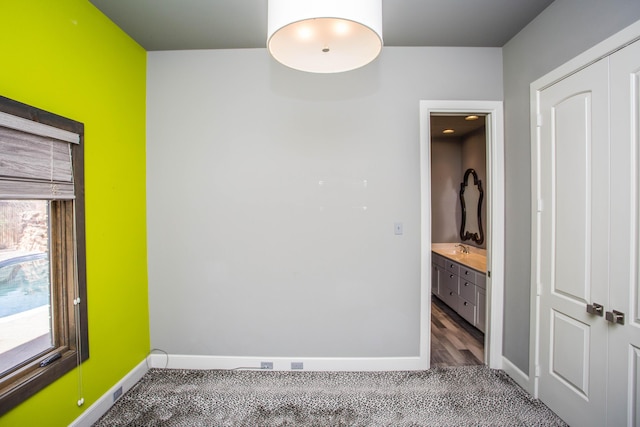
x=324, y=36
x=448, y=131
x=472, y=117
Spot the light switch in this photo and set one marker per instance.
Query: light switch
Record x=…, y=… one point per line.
x=397, y=228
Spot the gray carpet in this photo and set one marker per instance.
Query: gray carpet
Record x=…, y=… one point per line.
x=461, y=396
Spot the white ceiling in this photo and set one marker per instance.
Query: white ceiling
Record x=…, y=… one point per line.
x=234, y=24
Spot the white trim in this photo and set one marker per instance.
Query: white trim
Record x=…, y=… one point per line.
x=495, y=220
x=105, y=402
x=603, y=49
x=36, y=128
x=425, y=234
x=182, y=361
x=516, y=374
x=536, y=206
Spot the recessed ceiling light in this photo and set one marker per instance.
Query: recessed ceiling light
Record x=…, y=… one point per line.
x=472, y=117
x=448, y=131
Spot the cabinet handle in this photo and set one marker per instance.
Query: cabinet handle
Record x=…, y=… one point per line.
x=451, y=293
x=451, y=276
x=466, y=283
x=452, y=265
x=466, y=303
x=466, y=272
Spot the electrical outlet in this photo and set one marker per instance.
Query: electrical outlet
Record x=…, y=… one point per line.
x=117, y=393
x=297, y=365
x=266, y=365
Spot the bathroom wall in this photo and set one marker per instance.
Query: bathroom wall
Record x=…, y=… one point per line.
x=450, y=158
x=474, y=156
x=446, y=176
x=272, y=197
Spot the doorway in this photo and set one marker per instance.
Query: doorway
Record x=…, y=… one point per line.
x=494, y=196
x=458, y=150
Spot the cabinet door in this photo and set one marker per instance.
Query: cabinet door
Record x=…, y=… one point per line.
x=435, y=279
x=481, y=309
x=573, y=184
x=624, y=340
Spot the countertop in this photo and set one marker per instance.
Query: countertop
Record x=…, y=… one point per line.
x=475, y=259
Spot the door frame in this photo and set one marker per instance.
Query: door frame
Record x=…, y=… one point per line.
x=495, y=220
x=602, y=50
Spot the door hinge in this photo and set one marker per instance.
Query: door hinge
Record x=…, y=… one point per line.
x=539, y=289
x=537, y=370
x=540, y=206
x=539, y=120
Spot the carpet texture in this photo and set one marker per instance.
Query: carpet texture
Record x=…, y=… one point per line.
x=461, y=396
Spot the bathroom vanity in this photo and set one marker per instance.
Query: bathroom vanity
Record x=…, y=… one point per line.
x=458, y=278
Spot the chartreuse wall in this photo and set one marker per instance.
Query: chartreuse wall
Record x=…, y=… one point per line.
x=64, y=56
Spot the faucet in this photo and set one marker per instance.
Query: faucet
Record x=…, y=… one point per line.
x=465, y=250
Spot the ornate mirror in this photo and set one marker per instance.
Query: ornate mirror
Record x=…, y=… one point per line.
x=471, y=196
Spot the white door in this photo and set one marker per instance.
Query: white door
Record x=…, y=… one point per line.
x=624, y=339
x=573, y=241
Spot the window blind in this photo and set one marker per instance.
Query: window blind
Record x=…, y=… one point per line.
x=35, y=160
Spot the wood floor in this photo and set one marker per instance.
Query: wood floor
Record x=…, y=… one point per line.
x=454, y=342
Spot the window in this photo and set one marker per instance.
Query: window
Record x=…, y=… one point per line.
x=43, y=310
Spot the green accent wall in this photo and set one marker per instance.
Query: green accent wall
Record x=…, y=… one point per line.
x=66, y=57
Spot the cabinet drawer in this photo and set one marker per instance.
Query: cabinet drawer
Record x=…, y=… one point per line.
x=438, y=260
x=467, y=274
x=481, y=280
x=450, y=298
x=450, y=282
x=452, y=267
x=467, y=310
x=467, y=290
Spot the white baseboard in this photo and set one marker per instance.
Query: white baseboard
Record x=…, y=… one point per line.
x=179, y=361
x=516, y=374
x=102, y=405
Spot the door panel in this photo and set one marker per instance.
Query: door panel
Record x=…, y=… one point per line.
x=624, y=340
x=571, y=145
x=570, y=352
x=573, y=236
x=634, y=391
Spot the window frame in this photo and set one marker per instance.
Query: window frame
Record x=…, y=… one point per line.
x=66, y=260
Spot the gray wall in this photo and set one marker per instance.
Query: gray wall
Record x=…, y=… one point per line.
x=446, y=176
x=450, y=158
x=562, y=31
x=272, y=194
x=474, y=156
